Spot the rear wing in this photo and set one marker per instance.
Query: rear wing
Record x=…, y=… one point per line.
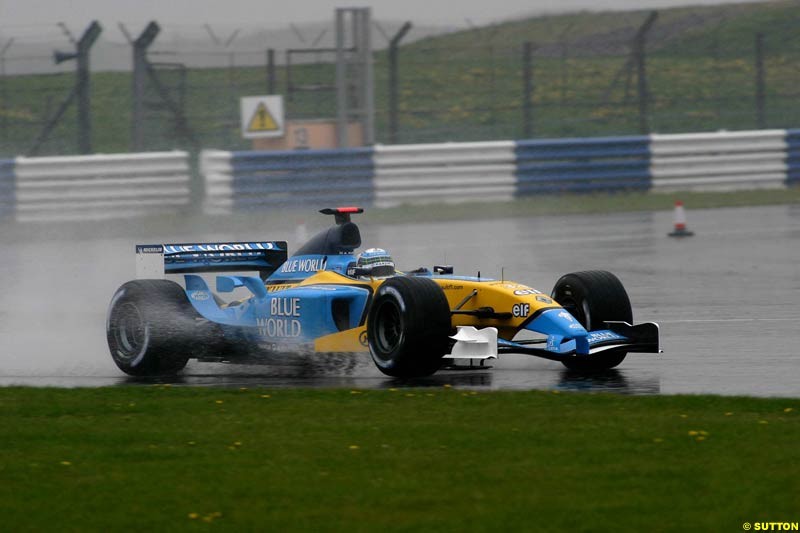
x=153, y=261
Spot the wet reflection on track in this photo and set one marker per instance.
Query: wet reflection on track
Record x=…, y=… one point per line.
x=726, y=300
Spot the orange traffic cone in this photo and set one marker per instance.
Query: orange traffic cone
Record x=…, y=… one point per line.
x=680, y=222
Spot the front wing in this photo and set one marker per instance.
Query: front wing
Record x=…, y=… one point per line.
x=619, y=335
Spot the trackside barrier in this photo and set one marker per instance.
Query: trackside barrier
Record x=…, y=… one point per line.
x=792, y=157
x=258, y=180
x=8, y=188
x=719, y=161
x=215, y=167
x=444, y=173
x=582, y=165
x=124, y=185
x=101, y=186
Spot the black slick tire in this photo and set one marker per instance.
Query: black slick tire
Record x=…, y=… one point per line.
x=594, y=297
x=151, y=328
x=408, y=327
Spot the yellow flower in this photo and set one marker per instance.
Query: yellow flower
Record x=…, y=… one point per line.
x=354, y=446
x=66, y=463
x=266, y=396
x=763, y=422
x=218, y=401
x=788, y=410
x=692, y=433
x=700, y=438
x=193, y=516
x=729, y=413
x=355, y=392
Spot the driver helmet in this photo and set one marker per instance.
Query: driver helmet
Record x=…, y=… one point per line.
x=377, y=262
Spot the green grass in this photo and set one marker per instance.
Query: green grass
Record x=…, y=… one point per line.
x=467, y=85
x=577, y=204
x=438, y=459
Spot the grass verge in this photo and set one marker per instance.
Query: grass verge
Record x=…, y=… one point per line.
x=173, y=458
x=572, y=204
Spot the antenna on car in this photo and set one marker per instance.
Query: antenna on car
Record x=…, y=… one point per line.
x=341, y=214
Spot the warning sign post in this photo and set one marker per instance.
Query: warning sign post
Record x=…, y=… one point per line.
x=262, y=116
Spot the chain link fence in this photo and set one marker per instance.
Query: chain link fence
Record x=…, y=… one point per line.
x=586, y=75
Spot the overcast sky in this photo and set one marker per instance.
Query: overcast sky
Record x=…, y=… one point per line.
x=271, y=13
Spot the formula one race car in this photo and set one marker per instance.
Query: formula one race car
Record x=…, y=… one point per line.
x=327, y=299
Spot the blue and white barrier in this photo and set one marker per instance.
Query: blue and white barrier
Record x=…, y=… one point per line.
x=792, y=157
x=121, y=185
x=582, y=165
x=96, y=186
x=258, y=180
x=722, y=161
x=444, y=173
x=386, y=176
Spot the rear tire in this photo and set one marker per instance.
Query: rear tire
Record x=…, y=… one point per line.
x=408, y=327
x=151, y=328
x=594, y=297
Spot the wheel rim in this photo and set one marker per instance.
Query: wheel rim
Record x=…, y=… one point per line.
x=130, y=332
x=388, y=328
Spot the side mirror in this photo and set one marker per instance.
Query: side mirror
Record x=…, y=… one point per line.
x=228, y=283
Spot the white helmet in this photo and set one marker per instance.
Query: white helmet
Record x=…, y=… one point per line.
x=375, y=262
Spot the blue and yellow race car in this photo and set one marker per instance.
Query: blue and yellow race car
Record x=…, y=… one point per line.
x=325, y=298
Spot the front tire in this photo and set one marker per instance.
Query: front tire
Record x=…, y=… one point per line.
x=150, y=328
x=593, y=298
x=408, y=327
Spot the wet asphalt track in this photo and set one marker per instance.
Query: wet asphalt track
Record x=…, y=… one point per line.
x=728, y=301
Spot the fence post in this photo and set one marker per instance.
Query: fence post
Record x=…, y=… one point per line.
x=140, y=46
x=760, y=84
x=393, y=100
x=84, y=106
x=527, y=90
x=640, y=58
x=270, y=71
x=79, y=93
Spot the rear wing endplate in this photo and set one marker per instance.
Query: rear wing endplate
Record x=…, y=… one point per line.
x=153, y=261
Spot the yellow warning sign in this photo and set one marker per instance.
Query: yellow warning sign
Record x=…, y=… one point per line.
x=262, y=116
x=262, y=120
